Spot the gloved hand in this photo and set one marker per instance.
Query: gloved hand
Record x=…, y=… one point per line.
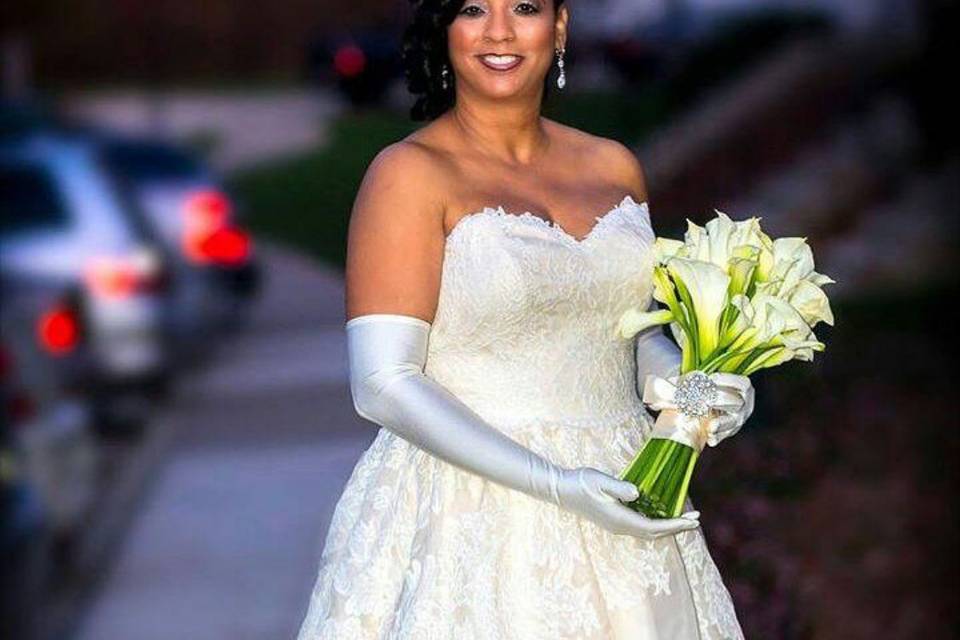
x=725, y=425
x=387, y=353
x=709, y=420
x=587, y=492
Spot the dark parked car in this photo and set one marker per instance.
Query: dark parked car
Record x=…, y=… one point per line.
x=43, y=339
x=362, y=64
x=25, y=541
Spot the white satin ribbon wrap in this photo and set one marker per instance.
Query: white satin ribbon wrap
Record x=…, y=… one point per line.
x=693, y=431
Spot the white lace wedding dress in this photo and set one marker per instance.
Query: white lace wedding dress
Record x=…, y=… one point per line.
x=419, y=549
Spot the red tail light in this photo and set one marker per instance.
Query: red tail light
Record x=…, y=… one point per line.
x=349, y=61
x=58, y=330
x=229, y=246
x=209, y=235
x=207, y=208
x=121, y=276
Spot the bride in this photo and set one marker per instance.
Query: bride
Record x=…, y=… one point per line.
x=490, y=255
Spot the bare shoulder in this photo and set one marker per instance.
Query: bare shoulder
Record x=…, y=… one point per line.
x=395, y=238
x=404, y=168
x=400, y=188
x=624, y=166
x=620, y=163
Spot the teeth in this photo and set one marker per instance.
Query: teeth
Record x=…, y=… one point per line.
x=500, y=59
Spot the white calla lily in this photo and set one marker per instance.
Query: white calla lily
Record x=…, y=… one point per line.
x=693, y=237
x=766, y=317
x=720, y=233
x=820, y=279
x=721, y=239
x=766, y=259
x=741, y=275
x=811, y=302
x=664, y=248
x=680, y=336
x=702, y=286
x=772, y=358
x=633, y=321
x=792, y=262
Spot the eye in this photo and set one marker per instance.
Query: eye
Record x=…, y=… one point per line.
x=529, y=9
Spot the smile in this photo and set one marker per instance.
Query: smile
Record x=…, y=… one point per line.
x=501, y=63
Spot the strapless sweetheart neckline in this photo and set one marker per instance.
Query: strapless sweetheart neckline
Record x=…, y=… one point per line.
x=500, y=212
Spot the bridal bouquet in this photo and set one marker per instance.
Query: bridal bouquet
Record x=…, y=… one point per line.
x=736, y=302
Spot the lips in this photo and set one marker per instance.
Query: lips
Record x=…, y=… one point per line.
x=500, y=62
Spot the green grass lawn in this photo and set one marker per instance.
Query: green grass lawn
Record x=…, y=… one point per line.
x=305, y=201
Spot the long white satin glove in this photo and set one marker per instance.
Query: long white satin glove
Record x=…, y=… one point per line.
x=655, y=354
x=387, y=353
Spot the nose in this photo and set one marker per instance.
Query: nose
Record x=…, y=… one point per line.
x=499, y=25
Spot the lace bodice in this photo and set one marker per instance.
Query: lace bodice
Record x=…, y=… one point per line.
x=526, y=317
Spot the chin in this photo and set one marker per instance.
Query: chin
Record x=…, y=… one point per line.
x=501, y=89
x=502, y=92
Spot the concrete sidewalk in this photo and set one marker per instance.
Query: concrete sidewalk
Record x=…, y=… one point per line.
x=227, y=542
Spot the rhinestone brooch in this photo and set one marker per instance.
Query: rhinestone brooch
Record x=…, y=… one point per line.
x=695, y=394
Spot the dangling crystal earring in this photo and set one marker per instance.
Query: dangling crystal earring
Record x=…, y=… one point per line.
x=562, y=78
x=444, y=74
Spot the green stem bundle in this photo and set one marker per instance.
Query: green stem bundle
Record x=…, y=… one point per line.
x=661, y=470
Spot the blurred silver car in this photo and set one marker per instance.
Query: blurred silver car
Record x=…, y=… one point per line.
x=211, y=256
x=63, y=222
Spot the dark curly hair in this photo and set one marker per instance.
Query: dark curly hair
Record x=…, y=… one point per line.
x=424, y=52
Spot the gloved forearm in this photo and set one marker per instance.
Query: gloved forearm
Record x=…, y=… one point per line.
x=655, y=353
x=387, y=353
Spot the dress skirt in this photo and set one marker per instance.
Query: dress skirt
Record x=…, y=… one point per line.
x=419, y=549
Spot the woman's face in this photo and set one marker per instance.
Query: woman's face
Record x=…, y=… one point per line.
x=525, y=32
